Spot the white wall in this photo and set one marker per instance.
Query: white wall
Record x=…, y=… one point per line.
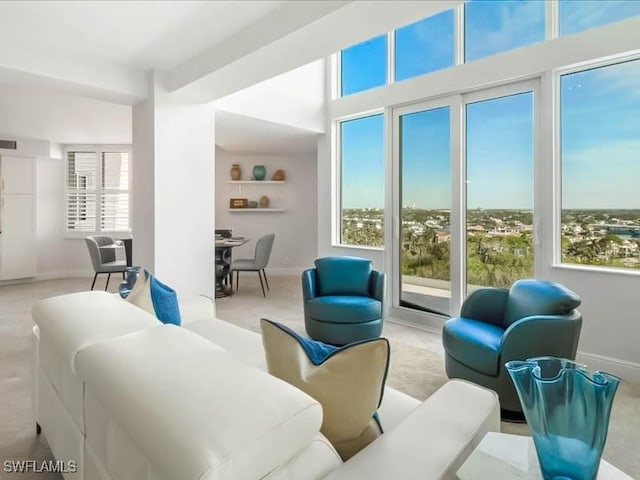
x=62, y=118
x=295, y=98
x=174, y=146
x=295, y=244
x=58, y=256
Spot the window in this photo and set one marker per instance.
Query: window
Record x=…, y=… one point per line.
x=362, y=188
x=364, y=66
x=499, y=231
x=579, y=15
x=600, y=141
x=425, y=46
x=425, y=203
x=495, y=26
x=97, y=190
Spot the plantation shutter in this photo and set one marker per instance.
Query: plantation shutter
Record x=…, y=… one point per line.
x=82, y=175
x=114, y=201
x=97, y=191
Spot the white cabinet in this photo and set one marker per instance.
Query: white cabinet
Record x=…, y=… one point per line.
x=17, y=174
x=17, y=218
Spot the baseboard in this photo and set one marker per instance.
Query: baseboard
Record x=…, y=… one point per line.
x=624, y=369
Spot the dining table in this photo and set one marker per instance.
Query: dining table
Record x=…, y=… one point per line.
x=223, y=262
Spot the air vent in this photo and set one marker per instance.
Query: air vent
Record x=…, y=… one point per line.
x=8, y=144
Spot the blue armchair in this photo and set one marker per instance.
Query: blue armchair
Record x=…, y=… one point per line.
x=533, y=318
x=342, y=299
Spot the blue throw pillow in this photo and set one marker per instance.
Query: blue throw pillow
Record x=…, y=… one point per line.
x=147, y=292
x=348, y=381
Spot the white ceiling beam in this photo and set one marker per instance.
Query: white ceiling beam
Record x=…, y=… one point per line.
x=291, y=36
x=95, y=77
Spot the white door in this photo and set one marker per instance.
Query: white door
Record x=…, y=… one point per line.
x=18, y=237
x=17, y=174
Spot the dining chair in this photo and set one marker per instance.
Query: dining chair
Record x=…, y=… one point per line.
x=255, y=264
x=104, y=259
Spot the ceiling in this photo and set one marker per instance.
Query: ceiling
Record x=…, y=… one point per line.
x=140, y=34
x=250, y=136
x=201, y=51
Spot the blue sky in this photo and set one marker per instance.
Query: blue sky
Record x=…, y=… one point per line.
x=600, y=135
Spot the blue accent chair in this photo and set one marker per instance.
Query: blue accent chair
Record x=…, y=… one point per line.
x=534, y=318
x=342, y=299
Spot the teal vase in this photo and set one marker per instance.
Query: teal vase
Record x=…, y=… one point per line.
x=568, y=410
x=259, y=172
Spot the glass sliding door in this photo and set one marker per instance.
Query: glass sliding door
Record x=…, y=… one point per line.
x=499, y=190
x=425, y=209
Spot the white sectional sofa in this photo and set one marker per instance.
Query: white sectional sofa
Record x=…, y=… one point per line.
x=128, y=398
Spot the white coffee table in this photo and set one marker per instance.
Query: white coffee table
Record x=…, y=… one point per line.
x=500, y=456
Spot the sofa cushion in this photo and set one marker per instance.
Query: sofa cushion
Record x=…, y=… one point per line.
x=147, y=292
x=344, y=309
x=194, y=410
x=347, y=381
x=343, y=275
x=74, y=321
x=538, y=297
x=473, y=343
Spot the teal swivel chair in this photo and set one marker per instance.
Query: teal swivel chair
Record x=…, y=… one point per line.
x=342, y=299
x=533, y=318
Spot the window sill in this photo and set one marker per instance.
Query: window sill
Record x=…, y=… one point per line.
x=357, y=247
x=596, y=269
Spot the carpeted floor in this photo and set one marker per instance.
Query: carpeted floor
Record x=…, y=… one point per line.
x=416, y=366
x=417, y=362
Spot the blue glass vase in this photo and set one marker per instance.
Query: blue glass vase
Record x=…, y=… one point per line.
x=568, y=410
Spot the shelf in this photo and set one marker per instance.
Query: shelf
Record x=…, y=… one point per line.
x=270, y=182
x=261, y=210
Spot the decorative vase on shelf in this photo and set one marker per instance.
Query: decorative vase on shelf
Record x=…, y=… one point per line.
x=568, y=410
x=264, y=202
x=278, y=175
x=259, y=172
x=235, y=172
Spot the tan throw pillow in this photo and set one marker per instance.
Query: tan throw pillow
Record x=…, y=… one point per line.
x=347, y=381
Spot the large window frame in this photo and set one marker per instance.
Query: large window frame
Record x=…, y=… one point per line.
x=555, y=80
x=457, y=104
x=337, y=180
x=99, y=192
x=603, y=45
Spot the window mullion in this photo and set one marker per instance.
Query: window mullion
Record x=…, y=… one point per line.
x=391, y=57
x=459, y=34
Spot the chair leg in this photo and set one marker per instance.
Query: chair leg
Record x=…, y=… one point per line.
x=237, y=280
x=262, y=284
x=231, y=280
x=94, y=281
x=107, y=285
x=265, y=279
x=123, y=276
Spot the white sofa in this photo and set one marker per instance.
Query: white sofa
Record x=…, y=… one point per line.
x=126, y=397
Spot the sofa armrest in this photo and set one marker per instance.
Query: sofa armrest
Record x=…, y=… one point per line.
x=486, y=305
x=197, y=308
x=376, y=286
x=433, y=441
x=309, y=284
x=542, y=335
